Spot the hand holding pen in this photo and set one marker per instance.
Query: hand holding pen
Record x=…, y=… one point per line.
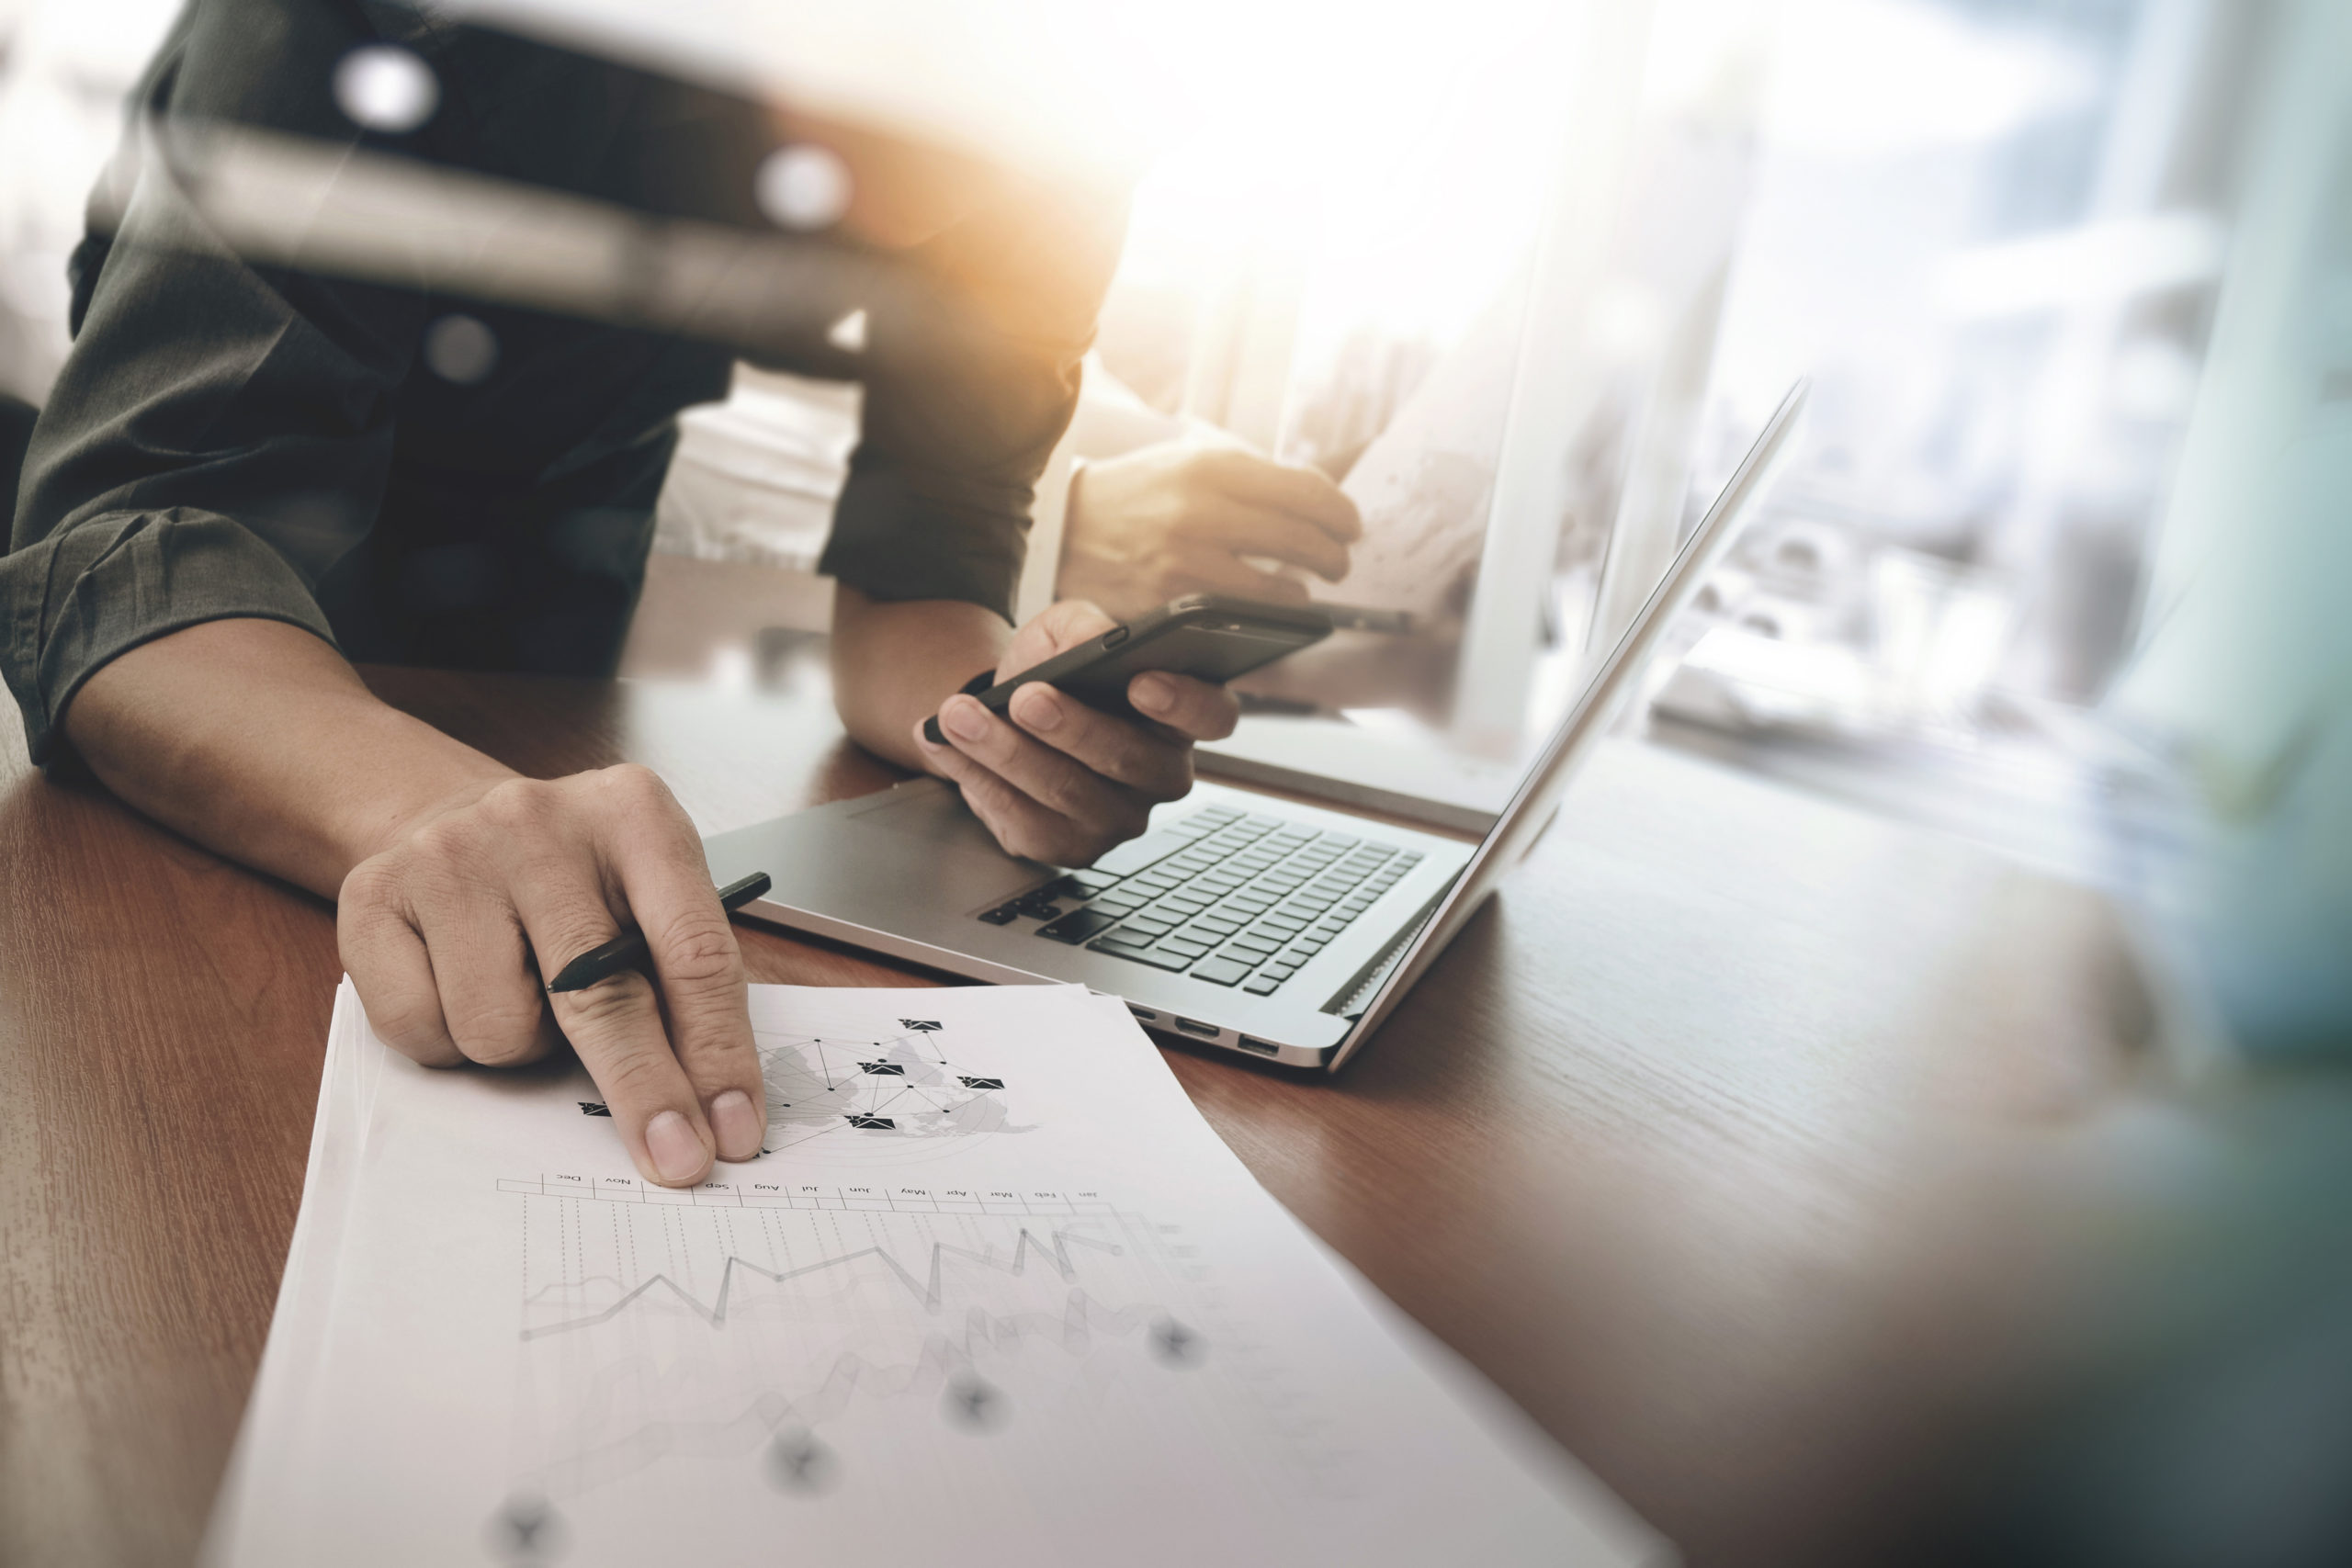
x=448, y=932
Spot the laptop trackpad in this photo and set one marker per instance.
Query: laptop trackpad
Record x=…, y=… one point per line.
x=961, y=850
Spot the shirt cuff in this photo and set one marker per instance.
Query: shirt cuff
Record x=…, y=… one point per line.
x=95, y=590
x=893, y=545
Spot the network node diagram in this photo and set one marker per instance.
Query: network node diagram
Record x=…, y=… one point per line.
x=879, y=1100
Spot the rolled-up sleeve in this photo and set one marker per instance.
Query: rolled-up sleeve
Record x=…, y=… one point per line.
x=208, y=453
x=90, y=593
x=959, y=424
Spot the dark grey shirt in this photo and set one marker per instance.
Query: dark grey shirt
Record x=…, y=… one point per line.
x=230, y=438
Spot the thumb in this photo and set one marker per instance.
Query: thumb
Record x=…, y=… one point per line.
x=1053, y=630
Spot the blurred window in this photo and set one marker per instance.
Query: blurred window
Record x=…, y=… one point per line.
x=1994, y=230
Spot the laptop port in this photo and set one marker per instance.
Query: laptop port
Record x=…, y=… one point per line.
x=1141, y=1012
x=1263, y=1048
x=1206, y=1030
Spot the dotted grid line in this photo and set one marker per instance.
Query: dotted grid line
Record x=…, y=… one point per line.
x=902, y=1201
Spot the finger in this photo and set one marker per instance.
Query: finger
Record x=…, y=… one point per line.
x=1020, y=825
x=1252, y=530
x=1072, y=621
x=1191, y=708
x=1303, y=492
x=491, y=996
x=389, y=967
x=616, y=1025
x=1147, y=759
x=1059, y=628
x=1061, y=784
x=658, y=862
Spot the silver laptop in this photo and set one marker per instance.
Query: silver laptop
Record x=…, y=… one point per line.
x=1240, y=919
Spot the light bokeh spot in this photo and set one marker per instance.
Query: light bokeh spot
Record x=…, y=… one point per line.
x=385, y=88
x=803, y=187
x=460, y=349
x=848, y=335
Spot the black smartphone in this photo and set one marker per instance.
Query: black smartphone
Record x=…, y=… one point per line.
x=1358, y=618
x=1205, y=635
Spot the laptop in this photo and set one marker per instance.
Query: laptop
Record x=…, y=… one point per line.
x=1241, y=919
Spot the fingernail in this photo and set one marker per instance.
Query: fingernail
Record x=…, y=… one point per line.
x=678, y=1156
x=965, y=720
x=739, y=1128
x=1043, y=711
x=1153, y=694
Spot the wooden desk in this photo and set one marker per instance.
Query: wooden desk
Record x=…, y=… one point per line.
x=1682, y=1144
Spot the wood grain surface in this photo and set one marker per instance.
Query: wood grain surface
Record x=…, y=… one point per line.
x=1685, y=1144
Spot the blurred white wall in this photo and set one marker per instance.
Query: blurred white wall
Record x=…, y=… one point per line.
x=65, y=66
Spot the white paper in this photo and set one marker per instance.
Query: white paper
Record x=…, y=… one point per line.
x=996, y=1294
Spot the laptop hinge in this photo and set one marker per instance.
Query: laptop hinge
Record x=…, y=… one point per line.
x=1352, y=1003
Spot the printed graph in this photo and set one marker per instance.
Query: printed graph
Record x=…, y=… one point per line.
x=827, y=1353
x=882, y=1096
x=763, y=1193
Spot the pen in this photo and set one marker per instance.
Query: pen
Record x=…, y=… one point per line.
x=628, y=950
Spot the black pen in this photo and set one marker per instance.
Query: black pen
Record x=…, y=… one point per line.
x=628, y=950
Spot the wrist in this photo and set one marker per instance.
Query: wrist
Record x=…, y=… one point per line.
x=894, y=663
x=385, y=821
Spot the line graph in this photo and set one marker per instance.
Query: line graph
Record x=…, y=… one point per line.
x=821, y=1352
x=927, y=1292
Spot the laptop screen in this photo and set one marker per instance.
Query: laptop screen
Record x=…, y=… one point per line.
x=1535, y=799
x=1498, y=358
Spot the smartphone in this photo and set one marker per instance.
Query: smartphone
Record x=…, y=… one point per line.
x=1205, y=635
x=1358, y=618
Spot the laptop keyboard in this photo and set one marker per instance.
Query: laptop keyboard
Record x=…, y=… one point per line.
x=1222, y=896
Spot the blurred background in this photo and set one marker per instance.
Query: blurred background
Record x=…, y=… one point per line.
x=2062, y=566
x=1998, y=234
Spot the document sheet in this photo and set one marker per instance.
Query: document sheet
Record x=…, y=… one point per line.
x=994, y=1294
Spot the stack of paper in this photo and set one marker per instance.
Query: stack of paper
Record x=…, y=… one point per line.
x=994, y=1294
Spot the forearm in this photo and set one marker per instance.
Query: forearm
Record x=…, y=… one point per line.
x=257, y=741
x=894, y=663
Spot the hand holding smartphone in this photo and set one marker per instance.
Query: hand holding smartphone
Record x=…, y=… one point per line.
x=1205, y=635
